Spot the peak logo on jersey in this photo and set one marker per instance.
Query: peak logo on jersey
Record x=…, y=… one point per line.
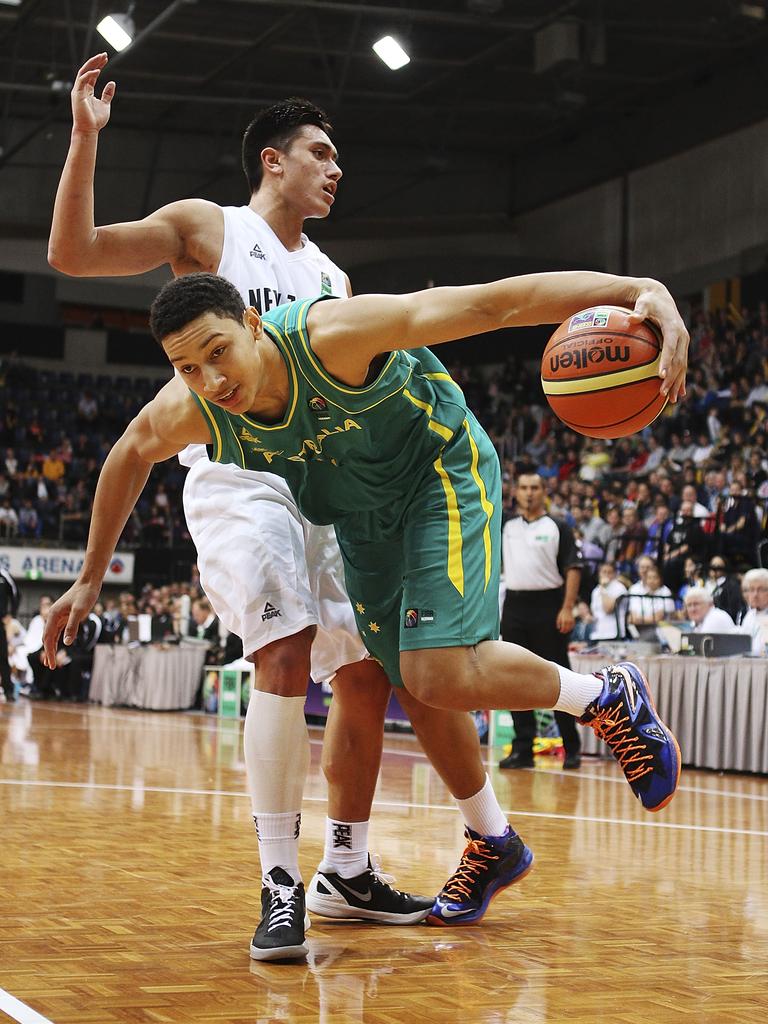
x=257, y=253
x=426, y=615
x=270, y=612
x=411, y=618
x=246, y=435
x=326, y=288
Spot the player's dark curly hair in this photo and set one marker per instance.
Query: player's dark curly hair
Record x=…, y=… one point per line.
x=184, y=299
x=276, y=126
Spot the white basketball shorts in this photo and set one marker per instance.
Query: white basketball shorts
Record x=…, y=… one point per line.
x=267, y=571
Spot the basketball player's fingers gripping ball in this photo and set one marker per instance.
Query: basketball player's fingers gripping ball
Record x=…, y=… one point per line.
x=600, y=371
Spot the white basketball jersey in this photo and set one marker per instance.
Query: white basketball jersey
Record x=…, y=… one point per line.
x=266, y=274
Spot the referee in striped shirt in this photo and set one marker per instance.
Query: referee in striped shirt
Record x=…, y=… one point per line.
x=542, y=572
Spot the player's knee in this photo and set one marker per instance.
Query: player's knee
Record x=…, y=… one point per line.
x=283, y=666
x=423, y=676
x=361, y=691
x=436, y=676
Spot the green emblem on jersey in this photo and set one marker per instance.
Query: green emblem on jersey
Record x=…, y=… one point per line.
x=326, y=288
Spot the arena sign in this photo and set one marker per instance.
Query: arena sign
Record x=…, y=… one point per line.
x=59, y=564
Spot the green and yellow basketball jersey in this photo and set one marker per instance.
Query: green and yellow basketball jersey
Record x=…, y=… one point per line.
x=346, y=452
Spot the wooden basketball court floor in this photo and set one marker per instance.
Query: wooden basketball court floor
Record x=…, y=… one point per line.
x=129, y=890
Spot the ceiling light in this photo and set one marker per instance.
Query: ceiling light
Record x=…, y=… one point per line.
x=118, y=30
x=11, y=3
x=391, y=52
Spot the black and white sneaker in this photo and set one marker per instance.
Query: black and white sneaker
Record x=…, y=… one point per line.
x=280, y=935
x=368, y=896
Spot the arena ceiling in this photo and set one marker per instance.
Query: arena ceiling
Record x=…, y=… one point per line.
x=590, y=88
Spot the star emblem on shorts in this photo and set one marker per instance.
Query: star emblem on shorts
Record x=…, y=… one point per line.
x=374, y=627
x=360, y=608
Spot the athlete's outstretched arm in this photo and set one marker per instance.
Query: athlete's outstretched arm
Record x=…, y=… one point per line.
x=347, y=335
x=162, y=429
x=179, y=234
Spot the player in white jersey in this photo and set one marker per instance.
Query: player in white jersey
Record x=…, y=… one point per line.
x=255, y=550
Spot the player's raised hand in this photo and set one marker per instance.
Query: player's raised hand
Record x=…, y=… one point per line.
x=89, y=112
x=654, y=303
x=66, y=614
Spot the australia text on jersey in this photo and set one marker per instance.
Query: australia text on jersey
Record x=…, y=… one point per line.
x=311, y=448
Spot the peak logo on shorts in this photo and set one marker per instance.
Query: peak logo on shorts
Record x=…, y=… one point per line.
x=270, y=612
x=416, y=616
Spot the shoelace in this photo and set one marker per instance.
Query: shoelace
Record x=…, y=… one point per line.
x=474, y=860
x=380, y=875
x=614, y=729
x=283, y=904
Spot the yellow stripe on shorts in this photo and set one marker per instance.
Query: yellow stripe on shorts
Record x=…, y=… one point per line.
x=487, y=505
x=455, y=561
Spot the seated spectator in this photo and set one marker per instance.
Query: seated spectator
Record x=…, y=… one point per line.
x=739, y=526
x=658, y=533
x=685, y=541
x=724, y=588
x=603, y=604
x=692, y=577
x=698, y=510
x=54, y=467
x=703, y=449
x=29, y=521
x=702, y=614
x=9, y=520
x=754, y=621
x=633, y=538
x=653, y=606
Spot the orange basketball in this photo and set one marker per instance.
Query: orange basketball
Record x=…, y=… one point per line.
x=600, y=373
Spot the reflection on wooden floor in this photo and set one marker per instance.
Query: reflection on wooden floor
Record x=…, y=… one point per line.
x=130, y=889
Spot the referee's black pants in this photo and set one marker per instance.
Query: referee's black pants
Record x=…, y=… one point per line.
x=5, y=667
x=529, y=618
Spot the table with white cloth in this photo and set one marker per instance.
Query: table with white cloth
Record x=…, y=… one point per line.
x=716, y=707
x=153, y=677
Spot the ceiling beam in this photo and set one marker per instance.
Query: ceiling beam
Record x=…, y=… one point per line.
x=402, y=14
x=161, y=18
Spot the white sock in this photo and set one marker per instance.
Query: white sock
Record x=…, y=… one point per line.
x=276, y=750
x=346, y=847
x=482, y=812
x=577, y=691
x=278, y=836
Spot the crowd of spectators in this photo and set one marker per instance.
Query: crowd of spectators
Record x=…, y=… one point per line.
x=694, y=484
x=162, y=615
x=56, y=429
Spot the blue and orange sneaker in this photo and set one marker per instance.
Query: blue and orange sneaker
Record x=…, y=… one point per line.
x=624, y=717
x=488, y=865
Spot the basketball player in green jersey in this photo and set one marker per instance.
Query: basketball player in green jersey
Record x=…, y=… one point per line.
x=342, y=399
x=253, y=546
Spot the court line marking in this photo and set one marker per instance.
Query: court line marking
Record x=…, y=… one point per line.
x=512, y=813
x=211, y=725
x=20, y=1011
